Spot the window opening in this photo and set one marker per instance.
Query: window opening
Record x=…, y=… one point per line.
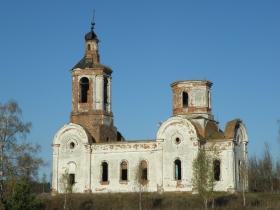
x=178, y=171
x=104, y=172
x=239, y=171
x=185, y=99
x=124, y=171
x=177, y=140
x=84, y=87
x=88, y=47
x=144, y=171
x=217, y=170
x=72, y=145
x=71, y=179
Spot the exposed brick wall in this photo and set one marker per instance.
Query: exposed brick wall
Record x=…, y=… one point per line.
x=190, y=87
x=85, y=114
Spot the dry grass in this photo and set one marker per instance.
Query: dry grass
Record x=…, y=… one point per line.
x=155, y=201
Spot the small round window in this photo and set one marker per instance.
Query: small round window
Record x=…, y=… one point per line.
x=72, y=145
x=177, y=140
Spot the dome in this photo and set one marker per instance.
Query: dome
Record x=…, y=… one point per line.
x=91, y=36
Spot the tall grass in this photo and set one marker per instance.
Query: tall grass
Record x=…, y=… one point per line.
x=164, y=201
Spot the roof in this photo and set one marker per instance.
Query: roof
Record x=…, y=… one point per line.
x=88, y=63
x=202, y=82
x=210, y=132
x=91, y=36
x=231, y=127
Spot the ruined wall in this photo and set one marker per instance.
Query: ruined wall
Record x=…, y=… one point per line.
x=199, y=97
x=176, y=140
x=95, y=116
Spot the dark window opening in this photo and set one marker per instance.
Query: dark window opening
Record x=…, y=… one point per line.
x=185, y=99
x=124, y=171
x=71, y=179
x=72, y=145
x=239, y=171
x=178, y=171
x=177, y=140
x=84, y=87
x=105, y=91
x=144, y=171
x=88, y=47
x=104, y=172
x=107, y=139
x=217, y=170
x=144, y=176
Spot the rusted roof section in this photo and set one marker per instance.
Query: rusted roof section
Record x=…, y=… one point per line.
x=199, y=130
x=212, y=131
x=231, y=126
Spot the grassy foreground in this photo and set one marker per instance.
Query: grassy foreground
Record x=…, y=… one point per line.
x=155, y=201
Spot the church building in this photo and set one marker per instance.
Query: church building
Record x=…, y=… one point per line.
x=96, y=158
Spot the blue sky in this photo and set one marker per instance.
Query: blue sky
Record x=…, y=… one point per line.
x=149, y=44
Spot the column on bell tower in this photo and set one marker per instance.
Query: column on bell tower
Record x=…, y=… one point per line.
x=109, y=92
x=91, y=93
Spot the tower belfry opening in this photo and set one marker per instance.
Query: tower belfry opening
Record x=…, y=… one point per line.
x=84, y=86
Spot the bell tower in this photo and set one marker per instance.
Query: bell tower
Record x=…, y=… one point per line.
x=91, y=93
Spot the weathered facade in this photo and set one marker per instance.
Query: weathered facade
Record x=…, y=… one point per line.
x=96, y=158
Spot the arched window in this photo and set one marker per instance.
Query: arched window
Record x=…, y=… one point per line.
x=185, y=99
x=104, y=176
x=144, y=171
x=178, y=170
x=84, y=87
x=217, y=170
x=105, y=92
x=123, y=174
x=88, y=47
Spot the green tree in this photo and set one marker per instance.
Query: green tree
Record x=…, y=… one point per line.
x=253, y=174
x=67, y=188
x=18, y=158
x=44, y=182
x=11, y=128
x=22, y=198
x=267, y=169
x=203, y=175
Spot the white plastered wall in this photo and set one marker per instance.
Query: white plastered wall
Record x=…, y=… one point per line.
x=67, y=159
x=185, y=151
x=133, y=153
